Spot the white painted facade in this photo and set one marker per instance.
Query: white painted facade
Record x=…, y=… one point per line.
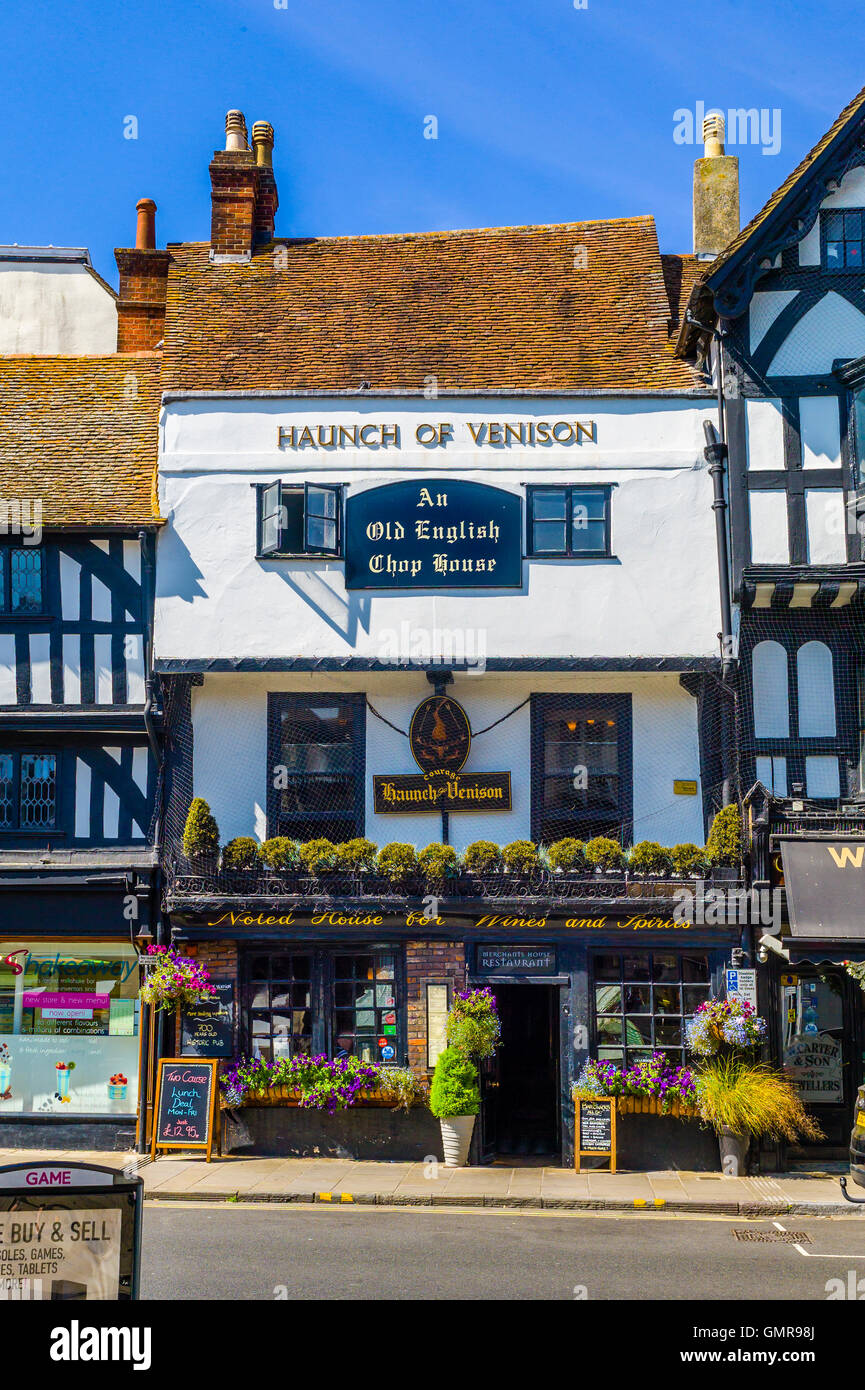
x=655, y=598
x=54, y=306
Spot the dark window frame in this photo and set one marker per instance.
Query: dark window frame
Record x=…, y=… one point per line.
x=16, y=754
x=322, y=991
x=677, y=1052
x=621, y=703
x=570, y=553
x=825, y=240
x=6, y=609
x=305, y=489
x=277, y=703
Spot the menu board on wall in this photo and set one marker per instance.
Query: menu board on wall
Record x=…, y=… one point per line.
x=207, y=1027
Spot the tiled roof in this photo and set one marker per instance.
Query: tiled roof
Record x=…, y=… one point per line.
x=506, y=308
x=81, y=434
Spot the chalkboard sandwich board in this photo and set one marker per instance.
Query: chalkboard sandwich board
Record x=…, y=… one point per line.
x=185, y=1110
x=595, y=1130
x=207, y=1026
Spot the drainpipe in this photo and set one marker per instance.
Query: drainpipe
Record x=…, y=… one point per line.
x=716, y=453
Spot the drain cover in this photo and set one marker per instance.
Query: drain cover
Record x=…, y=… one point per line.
x=774, y=1237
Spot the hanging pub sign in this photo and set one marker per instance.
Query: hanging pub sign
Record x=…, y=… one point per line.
x=440, y=737
x=433, y=533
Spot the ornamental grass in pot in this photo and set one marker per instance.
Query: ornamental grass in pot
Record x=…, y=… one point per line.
x=742, y=1099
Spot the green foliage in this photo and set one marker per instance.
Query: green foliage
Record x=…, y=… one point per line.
x=317, y=856
x=396, y=861
x=201, y=833
x=648, y=857
x=438, y=861
x=241, y=853
x=752, y=1098
x=724, y=845
x=856, y=970
x=569, y=855
x=455, y=1089
x=401, y=1086
x=689, y=860
x=473, y=1026
x=280, y=852
x=482, y=857
x=355, y=856
x=521, y=857
x=604, y=853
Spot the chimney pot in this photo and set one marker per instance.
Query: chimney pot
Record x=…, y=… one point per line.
x=145, y=231
x=235, y=131
x=714, y=128
x=262, y=143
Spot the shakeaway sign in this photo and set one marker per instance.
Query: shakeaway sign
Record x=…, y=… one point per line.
x=433, y=533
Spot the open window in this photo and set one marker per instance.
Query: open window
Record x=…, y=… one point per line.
x=299, y=519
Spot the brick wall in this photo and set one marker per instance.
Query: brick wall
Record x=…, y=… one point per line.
x=428, y=961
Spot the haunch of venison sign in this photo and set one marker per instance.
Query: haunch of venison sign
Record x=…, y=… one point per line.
x=433, y=533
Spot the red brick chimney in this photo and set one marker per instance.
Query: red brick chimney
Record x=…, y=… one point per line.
x=143, y=285
x=243, y=191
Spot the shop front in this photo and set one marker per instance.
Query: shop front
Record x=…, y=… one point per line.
x=616, y=985
x=69, y=1017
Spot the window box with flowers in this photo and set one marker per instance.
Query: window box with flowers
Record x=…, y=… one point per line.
x=659, y=1125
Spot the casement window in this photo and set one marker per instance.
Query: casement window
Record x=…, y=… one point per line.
x=795, y=718
x=569, y=522
x=581, y=766
x=299, y=519
x=28, y=791
x=311, y=1000
x=843, y=233
x=21, y=580
x=642, y=1001
x=316, y=766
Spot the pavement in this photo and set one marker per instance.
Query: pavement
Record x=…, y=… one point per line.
x=333, y=1180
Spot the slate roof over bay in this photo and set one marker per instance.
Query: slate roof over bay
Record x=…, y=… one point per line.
x=498, y=308
x=80, y=433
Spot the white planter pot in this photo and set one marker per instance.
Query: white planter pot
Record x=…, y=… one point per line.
x=456, y=1139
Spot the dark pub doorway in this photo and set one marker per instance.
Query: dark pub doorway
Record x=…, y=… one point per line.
x=521, y=1083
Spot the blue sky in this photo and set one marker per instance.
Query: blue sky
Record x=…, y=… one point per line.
x=546, y=112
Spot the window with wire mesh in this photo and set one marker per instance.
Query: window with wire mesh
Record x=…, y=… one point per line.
x=28, y=791
x=365, y=1017
x=20, y=580
x=278, y=1005
x=581, y=769
x=641, y=1003
x=316, y=753
x=842, y=239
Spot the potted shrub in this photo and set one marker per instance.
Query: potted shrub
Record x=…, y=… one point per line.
x=438, y=861
x=455, y=1100
x=241, y=853
x=521, y=857
x=567, y=856
x=280, y=853
x=689, y=861
x=317, y=856
x=397, y=861
x=724, y=845
x=482, y=857
x=473, y=1025
x=648, y=857
x=605, y=854
x=201, y=834
x=356, y=856
x=742, y=1099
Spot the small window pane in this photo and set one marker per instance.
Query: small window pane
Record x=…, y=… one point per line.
x=668, y=1032
x=834, y=254
x=608, y=999
x=695, y=969
x=665, y=967
x=854, y=255
x=852, y=226
x=609, y=1029
x=550, y=506
x=667, y=999
x=7, y=791
x=37, y=795
x=822, y=778
x=607, y=968
x=637, y=968
x=834, y=226
x=550, y=535
x=590, y=537
x=638, y=999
